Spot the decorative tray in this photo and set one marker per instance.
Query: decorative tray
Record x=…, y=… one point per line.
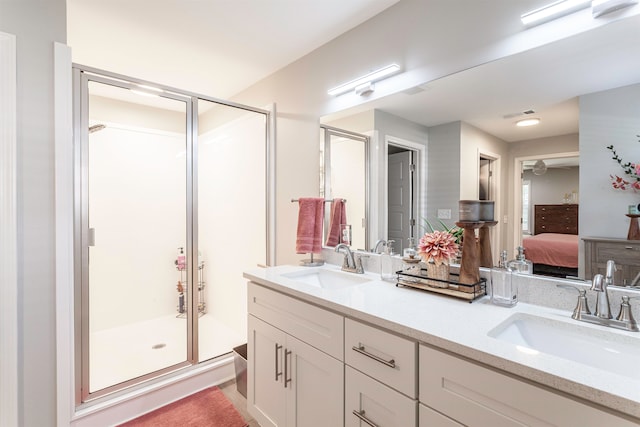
x=452, y=287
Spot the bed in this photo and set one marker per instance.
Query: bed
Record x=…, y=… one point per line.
x=553, y=249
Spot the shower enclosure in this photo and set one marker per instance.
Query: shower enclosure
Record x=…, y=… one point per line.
x=171, y=207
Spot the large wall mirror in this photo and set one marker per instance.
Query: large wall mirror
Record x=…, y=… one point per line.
x=465, y=124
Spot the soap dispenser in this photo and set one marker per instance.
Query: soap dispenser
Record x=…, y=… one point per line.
x=503, y=289
x=521, y=265
x=386, y=262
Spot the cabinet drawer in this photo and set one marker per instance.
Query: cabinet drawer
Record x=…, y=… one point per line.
x=477, y=396
x=382, y=355
x=427, y=417
x=320, y=328
x=379, y=404
x=622, y=253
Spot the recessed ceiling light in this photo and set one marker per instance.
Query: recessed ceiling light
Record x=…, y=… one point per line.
x=527, y=122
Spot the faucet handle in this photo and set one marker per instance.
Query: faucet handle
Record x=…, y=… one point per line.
x=359, y=267
x=626, y=315
x=582, y=306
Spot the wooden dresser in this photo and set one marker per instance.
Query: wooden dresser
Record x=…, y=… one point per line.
x=562, y=219
x=626, y=254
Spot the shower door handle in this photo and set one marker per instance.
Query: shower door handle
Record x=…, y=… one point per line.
x=92, y=237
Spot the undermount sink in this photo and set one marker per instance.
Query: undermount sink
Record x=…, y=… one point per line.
x=327, y=279
x=600, y=349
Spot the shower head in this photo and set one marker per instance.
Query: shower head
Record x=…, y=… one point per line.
x=96, y=128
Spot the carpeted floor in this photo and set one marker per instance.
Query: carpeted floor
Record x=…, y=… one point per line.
x=208, y=407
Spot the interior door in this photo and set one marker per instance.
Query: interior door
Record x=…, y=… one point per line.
x=400, y=199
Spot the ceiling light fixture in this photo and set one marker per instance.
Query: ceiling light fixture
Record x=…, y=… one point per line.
x=370, y=78
x=602, y=7
x=527, y=122
x=552, y=11
x=540, y=168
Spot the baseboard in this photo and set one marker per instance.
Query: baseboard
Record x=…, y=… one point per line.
x=131, y=405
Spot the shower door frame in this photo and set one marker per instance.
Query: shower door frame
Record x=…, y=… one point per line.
x=81, y=77
x=82, y=245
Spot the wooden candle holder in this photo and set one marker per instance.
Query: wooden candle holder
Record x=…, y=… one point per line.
x=474, y=253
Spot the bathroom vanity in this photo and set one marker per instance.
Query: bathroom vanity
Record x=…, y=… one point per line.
x=328, y=348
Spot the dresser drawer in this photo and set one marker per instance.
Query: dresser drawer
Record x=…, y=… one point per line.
x=623, y=253
x=317, y=327
x=375, y=402
x=382, y=355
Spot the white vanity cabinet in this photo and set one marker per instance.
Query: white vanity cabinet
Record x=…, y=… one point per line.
x=295, y=368
x=380, y=377
x=474, y=395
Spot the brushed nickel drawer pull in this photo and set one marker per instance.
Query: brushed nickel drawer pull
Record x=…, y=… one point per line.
x=278, y=347
x=360, y=349
x=360, y=414
x=287, y=353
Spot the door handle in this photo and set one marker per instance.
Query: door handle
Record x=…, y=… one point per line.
x=287, y=380
x=360, y=415
x=277, y=347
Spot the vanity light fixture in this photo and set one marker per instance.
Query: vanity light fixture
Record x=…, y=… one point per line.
x=553, y=10
x=602, y=7
x=366, y=80
x=527, y=122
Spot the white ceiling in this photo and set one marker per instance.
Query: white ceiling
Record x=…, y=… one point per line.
x=227, y=45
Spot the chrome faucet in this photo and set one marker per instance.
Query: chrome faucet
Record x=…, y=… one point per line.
x=376, y=247
x=602, y=315
x=600, y=285
x=351, y=263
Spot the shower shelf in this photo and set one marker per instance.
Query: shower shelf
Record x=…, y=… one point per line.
x=183, y=292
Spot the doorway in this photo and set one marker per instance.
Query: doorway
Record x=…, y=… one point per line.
x=166, y=201
x=401, y=185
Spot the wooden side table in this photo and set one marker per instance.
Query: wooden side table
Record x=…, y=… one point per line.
x=634, y=230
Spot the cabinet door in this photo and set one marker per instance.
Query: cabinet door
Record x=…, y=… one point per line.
x=265, y=388
x=368, y=402
x=314, y=386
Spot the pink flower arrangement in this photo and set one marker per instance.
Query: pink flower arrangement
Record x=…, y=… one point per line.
x=438, y=246
x=630, y=169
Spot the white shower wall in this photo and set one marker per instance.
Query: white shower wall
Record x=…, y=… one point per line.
x=140, y=221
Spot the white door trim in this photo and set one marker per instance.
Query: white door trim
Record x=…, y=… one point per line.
x=8, y=233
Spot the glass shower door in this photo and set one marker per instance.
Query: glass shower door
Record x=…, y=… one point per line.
x=136, y=262
x=231, y=220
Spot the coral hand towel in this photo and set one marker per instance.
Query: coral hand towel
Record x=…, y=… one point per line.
x=338, y=216
x=310, y=220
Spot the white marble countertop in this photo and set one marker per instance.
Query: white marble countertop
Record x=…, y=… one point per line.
x=462, y=328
